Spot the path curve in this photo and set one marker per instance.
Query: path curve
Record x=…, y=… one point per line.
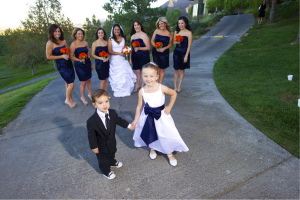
x=44, y=153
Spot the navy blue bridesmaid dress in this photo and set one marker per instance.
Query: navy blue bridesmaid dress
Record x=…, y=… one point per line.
x=83, y=71
x=140, y=57
x=161, y=59
x=179, y=54
x=102, y=68
x=65, y=67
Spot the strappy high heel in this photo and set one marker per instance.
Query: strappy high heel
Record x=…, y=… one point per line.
x=137, y=89
x=90, y=97
x=172, y=162
x=84, y=102
x=70, y=105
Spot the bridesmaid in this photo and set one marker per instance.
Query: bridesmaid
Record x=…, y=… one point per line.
x=181, y=55
x=102, y=64
x=140, y=55
x=162, y=34
x=83, y=67
x=64, y=64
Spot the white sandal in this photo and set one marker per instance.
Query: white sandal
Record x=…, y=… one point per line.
x=172, y=162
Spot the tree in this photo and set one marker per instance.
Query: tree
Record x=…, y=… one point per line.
x=233, y=4
x=3, y=44
x=25, y=49
x=124, y=12
x=27, y=45
x=108, y=25
x=191, y=11
x=90, y=27
x=43, y=14
x=172, y=17
x=213, y=4
x=272, y=13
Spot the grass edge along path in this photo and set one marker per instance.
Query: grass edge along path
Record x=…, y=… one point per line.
x=252, y=77
x=13, y=101
x=12, y=81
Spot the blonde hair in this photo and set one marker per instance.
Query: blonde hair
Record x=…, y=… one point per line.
x=163, y=19
x=151, y=65
x=75, y=32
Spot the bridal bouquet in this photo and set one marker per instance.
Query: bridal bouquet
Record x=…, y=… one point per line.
x=64, y=50
x=126, y=50
x=103, y=54
x=136, y=44
x=158, y=45
x=82, y=56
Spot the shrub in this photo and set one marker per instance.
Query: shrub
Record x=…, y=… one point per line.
x=287, y=9
x=195, y=24
x=248, y=11
x=199, y=31
x=216, y=17
x=208, y=21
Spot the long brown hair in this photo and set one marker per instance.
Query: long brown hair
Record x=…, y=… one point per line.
x=132, y=28
x=51, y=31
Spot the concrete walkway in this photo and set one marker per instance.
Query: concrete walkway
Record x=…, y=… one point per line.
x=44, y=153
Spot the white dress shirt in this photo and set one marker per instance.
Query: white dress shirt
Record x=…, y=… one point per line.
x=102, y=117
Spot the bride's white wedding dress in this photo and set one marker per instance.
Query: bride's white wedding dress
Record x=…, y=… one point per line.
x=121, y=76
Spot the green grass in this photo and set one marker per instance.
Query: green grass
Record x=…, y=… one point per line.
x=5, y=69
x=252, y=77
x=8, y=82
x=13, y=101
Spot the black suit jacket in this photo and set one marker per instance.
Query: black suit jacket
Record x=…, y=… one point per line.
x=98, y=134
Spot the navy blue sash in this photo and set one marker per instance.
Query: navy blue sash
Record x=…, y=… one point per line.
x=149, y=133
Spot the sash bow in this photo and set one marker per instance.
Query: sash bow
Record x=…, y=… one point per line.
x=149, y=133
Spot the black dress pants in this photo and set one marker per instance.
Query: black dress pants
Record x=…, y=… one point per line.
x=106, y=160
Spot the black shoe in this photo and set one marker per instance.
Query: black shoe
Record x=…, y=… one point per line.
x=117, y=165
x=111, y=175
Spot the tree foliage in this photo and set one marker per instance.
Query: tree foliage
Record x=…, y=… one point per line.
x=124, y=12
x=233, y=4
x=43, y=14
x=27, y=49
x=27, y=45
x=3, y=44
x=172, y=17
x=213, y=4
x=90, y=27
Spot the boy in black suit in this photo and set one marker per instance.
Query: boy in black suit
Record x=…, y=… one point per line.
x=101, y=128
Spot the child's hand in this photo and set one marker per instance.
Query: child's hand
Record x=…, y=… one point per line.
x=95, y=150
x=167, y=110
x=131, y=127
x=133, y=124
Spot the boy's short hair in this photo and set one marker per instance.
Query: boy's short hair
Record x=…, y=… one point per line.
x=98, y=93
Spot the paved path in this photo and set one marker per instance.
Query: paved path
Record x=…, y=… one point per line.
x=44, y=153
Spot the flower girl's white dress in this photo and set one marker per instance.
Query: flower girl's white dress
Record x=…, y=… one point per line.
x=169, y=139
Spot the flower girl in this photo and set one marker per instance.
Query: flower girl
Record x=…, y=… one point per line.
x=155, y=127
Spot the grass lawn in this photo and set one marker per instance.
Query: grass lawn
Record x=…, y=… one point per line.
x=252, y=77
x=5, y=71
x=13, y=101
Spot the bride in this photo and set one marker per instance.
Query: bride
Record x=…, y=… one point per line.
x=121, y=76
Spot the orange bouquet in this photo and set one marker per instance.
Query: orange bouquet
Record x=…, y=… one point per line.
x=103, y=54
x=82, y=56
x=136, y=44
x=64, y=50
x=158, y=45
x=179, y=39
